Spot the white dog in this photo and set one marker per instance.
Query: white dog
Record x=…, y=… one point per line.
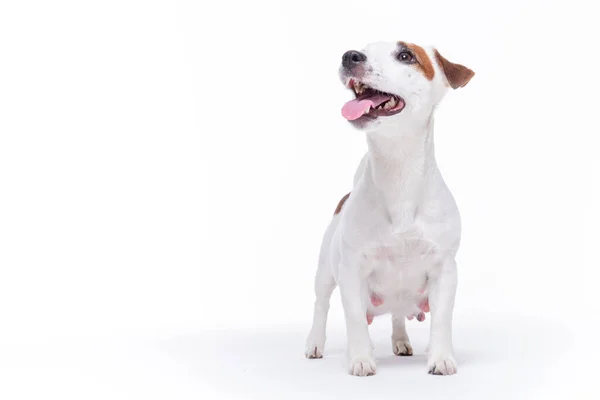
x=392, y=242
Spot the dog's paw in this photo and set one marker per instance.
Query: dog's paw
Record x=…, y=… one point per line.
x=313, y=351
x=314, y=347
x=442, y=366
x=362, y=366
x=402, y=347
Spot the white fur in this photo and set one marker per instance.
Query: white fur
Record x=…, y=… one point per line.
x=399, y=231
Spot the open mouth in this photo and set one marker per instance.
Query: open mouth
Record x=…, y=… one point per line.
x=370, y=103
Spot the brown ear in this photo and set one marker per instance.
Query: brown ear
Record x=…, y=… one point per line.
x=457, y=75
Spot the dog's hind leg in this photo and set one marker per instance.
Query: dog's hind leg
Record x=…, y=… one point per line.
x=400, y=341
x=324, y=286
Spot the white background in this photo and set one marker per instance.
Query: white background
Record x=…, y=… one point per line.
x=167, y=169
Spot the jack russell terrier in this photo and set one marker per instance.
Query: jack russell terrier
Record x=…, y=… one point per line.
x=392, y=242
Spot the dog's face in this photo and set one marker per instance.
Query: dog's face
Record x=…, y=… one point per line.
x=396, y=82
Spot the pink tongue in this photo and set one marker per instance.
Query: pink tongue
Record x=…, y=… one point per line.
x=354, y=109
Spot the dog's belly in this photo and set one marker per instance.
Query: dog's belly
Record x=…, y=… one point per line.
x=397, y=275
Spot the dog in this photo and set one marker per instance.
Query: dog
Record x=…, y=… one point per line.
x=392, y=241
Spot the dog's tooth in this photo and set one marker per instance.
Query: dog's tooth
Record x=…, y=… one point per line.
x=387, y=105
x=392, y=102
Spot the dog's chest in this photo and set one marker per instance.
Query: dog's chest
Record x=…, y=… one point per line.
x=396, y=272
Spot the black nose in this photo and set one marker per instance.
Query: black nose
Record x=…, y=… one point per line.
x=352, y=58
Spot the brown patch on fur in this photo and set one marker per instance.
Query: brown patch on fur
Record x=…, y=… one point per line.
x=424, y=64
x=457, y=75
x=341, y=204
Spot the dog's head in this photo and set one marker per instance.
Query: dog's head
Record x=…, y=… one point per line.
x=396, y=82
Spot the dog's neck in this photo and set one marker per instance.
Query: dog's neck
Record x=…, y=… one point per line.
x=401, y=159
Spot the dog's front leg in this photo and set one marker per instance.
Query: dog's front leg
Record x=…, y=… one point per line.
x=354, y=294
x=441, y=301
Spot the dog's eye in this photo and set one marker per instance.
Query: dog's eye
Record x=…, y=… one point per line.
x=406, y=57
